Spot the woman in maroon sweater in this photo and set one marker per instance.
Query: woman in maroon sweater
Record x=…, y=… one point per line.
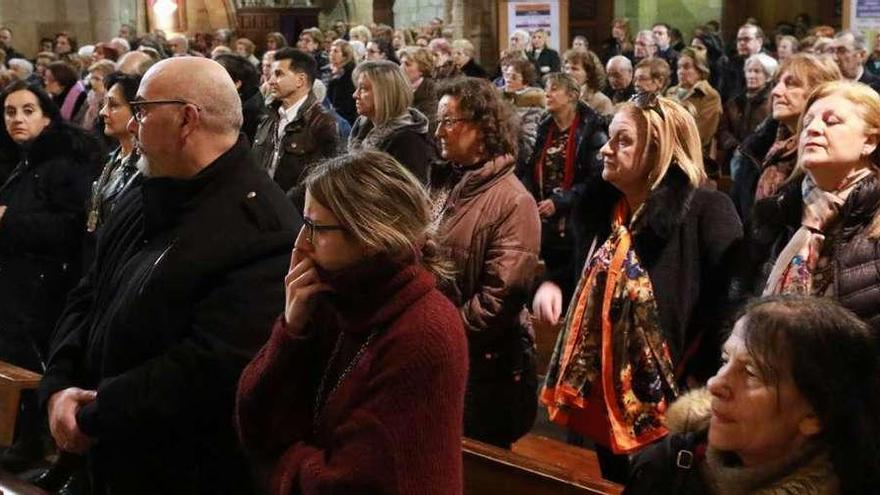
x=360, y=388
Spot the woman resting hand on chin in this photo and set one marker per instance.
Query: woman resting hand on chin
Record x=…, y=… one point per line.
x=360, y=388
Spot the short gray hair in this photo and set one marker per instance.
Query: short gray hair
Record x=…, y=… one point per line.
x=859, y=42
x=768, y=63
x=22, y=64
x=627, y=63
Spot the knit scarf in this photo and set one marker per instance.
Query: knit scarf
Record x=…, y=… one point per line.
x=793, y=271
x=612, y=339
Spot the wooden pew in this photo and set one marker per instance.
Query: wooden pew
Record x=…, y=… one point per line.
x=534, y=466
x=12, y=381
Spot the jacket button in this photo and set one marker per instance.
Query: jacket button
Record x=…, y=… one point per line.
x=488, y=355
x=293, y=145
x=252, y=195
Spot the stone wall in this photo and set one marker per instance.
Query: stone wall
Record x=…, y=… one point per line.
x=682, y=14
x=88, y=20
x=410, y=13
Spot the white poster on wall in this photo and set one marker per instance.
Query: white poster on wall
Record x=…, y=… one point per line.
x=864, y=15
x=533, y=15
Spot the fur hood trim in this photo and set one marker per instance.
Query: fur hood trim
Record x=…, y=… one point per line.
x=691, y=412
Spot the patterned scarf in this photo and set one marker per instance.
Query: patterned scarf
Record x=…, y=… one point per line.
x=612, y=339
x=793, y=270
x=778, y=164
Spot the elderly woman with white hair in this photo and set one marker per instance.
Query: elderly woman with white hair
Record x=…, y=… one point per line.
x=387, y=122
x=463, y=58
x=744, y=112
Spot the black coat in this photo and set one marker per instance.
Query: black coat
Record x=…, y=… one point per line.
x=546, y=62
x=186, y=284
x=410, y=144
x=590, y=136
x=340, y=92
x=871, y=80
x=855, y=255
x=254, y=110
x=473, y=69
x=41, y=235
x=688, y=240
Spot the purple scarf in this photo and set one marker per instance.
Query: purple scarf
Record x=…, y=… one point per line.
x=70, y=100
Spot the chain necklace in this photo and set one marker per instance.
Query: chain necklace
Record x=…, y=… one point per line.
x=320, y=398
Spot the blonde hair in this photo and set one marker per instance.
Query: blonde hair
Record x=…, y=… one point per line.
x=392, y=93
x=103, y=67
x=671, y=136
x=361, y=33
x=382, y=205
x=465, y=46
x=346, y=49
x=423, y=58
x=810, y=70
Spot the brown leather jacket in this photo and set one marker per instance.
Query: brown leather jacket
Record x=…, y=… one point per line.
x=310, y=137
x=491, y=230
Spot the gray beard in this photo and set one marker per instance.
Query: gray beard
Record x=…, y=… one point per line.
x=143, y=166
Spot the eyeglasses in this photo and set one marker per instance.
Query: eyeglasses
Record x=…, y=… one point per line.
x=312, y=227
x=648, y=100
x=448, y=123
x=138, y=110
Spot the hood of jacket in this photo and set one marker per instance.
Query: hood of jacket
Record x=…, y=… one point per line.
x=364, y=131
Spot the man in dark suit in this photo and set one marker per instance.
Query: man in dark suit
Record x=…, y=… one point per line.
x=850, y=52
x=186, y=282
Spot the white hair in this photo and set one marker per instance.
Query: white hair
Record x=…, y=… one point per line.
x=359, y=49
x=121, y=44
x=522, y=35
x=22, y=64
x=86, y=50
x=619, y=59
x=180, y=37
x=768, y=63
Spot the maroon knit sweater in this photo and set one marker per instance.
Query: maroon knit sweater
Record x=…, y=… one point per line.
x=393, y=425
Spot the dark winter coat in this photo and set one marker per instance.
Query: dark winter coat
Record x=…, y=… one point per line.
x=409, y=142
x=182, y=294
x=688, y=240
x=254, y=110
x=854, y=254
x=473, y=69
x=340, y=92
x=425, y=100
x=590, y=136
x=309, y=138
x=546, y=62
x=41, y=236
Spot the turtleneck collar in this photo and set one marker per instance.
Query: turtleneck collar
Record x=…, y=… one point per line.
x=374, y=291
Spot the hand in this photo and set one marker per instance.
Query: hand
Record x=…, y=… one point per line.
x=301, y=284
x=63, y=407
x=546, y=208
x=2, y=211
x=547, y=305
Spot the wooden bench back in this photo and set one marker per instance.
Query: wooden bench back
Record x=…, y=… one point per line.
x=534, y=466
x=12, y=381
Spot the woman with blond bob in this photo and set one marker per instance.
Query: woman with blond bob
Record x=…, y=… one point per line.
x=654, y=250
x=820, y=235
x=418, y=65
x=387, y=122
x=360, y=388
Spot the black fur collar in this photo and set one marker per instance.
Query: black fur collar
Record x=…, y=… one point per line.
x=667, y=205
x=63, y=140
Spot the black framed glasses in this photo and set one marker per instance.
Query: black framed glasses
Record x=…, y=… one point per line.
x=311, y=227
x=137, y=106
x=648, y=100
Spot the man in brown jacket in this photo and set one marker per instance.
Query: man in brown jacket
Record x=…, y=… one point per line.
x=299, y=131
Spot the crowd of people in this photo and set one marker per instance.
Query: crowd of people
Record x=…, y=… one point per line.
x=315, y=268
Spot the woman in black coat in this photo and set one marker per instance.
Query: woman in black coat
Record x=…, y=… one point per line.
x=340, y=85
x=42, y=224
x=566, y=154
x=658, y=250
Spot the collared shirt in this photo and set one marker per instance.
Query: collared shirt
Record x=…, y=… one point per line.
x=286, y=117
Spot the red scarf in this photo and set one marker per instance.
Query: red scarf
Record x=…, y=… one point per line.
x=568, y=173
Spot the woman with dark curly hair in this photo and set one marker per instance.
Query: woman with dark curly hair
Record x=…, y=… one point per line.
x=793, y=409
x=489, y=224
